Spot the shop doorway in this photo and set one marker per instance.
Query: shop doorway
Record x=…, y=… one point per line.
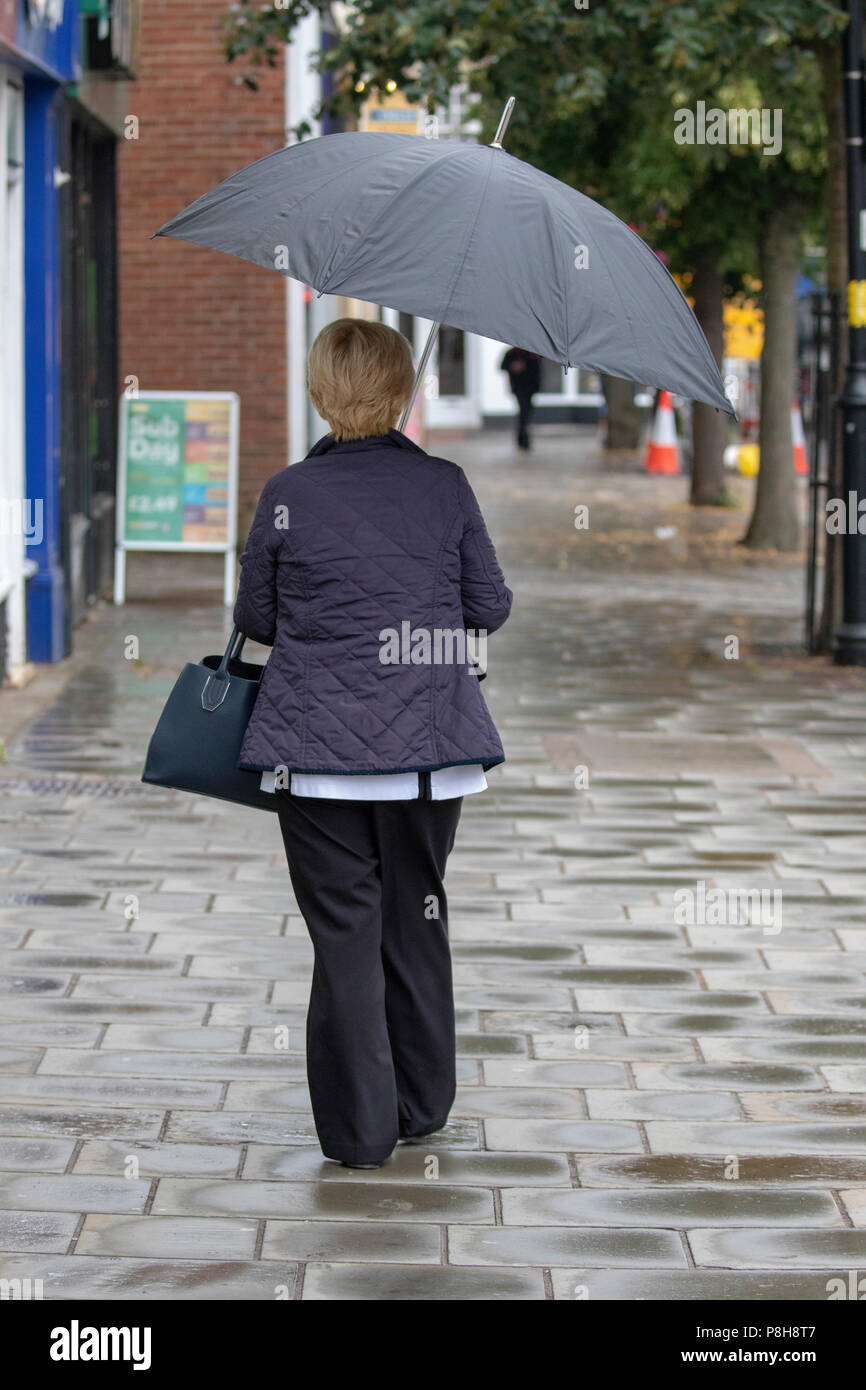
x=89, y=385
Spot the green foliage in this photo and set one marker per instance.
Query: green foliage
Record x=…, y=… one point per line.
x=256, y=32
x=597, y=91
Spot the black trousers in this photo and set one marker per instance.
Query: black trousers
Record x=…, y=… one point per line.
x=380, y=1026
x=524, y=415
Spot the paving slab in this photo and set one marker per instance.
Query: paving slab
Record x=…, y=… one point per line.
x=789, y=1171
x=735, y=1205
x=692, y=1285
x=551, y=1245
x=37, y=1232
x=155, y=1159
x=142, y=1280
x=413, y=1283
x=371, y=1200
x=756, y=1249
x=411, y=1163
x=154, y=1236
x=353, y=1241
x=72, y=1192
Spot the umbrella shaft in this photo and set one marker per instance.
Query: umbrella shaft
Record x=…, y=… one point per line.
x=419, y=375
x=434, y=331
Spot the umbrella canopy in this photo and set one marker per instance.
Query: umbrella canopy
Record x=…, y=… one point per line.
x=467, y=235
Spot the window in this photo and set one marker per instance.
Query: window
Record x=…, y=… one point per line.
x=552, y=379
x=452, y=361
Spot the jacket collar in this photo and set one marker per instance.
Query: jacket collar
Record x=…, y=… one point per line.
x=329, y=445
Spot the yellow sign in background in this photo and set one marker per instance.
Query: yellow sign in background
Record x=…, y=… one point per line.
x=391, y=111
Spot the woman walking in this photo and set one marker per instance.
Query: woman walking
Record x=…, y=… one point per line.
x=365, y=566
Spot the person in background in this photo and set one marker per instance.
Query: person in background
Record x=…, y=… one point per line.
x=524, y=376
x=378, y=748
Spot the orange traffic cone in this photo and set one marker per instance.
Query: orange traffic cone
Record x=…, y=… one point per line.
x=662, y=455
x=801, y=463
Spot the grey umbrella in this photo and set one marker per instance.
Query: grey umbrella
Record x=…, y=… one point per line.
x=467, y=235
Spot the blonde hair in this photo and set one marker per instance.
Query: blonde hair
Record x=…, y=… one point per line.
x=359, y=375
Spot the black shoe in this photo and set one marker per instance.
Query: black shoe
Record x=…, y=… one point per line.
x=425, y=1134
x=344, y=1164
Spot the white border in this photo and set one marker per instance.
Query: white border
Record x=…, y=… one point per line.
x=121, y=545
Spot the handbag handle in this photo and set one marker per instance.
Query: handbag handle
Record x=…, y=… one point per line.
x=235, y=646
x=216, y=687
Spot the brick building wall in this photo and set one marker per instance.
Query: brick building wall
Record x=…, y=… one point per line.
x=190, y=318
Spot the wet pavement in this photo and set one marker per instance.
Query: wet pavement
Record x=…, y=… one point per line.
x=658, y=925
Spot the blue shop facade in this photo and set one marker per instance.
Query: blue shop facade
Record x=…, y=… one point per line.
x=64, y=90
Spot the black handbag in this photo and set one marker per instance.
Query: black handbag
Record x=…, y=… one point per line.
x=196, y=744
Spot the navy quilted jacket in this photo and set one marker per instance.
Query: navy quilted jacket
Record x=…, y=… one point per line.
x=359, y=539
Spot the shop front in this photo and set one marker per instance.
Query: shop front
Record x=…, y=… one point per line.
x=63, y=70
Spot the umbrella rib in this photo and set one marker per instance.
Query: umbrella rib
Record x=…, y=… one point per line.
x=468, y=241
x=240, y=182
x=344, y=269
x=324, y=184
x=626, y=315
x=554, y=243
x=705, y=347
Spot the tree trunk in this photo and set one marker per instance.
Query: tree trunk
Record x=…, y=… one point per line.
x=775, y=522
x=830, y=56
x=624, y=418
x=709, y=426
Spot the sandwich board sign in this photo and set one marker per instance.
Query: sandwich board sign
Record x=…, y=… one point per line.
x=177, y=478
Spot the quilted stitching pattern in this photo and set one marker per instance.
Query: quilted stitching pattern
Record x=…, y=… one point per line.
x=379, y=534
